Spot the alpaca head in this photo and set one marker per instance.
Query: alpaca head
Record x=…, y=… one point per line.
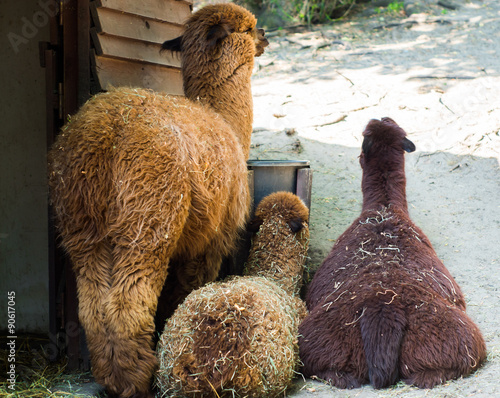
x=382, y=161
x=284, y=205
x=218, y=41
x=384, y=139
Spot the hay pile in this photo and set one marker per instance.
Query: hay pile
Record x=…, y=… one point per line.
x=213, y=345
x=36, y=375
x=239, y=338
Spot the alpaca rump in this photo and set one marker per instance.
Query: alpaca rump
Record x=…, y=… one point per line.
x=238, y=338
x=145, y=184
x=383, y=307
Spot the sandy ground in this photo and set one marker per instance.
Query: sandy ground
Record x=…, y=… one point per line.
x=435, y=74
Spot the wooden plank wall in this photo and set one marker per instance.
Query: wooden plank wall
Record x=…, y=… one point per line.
x=127, y=37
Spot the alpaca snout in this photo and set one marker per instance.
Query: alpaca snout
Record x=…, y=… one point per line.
x=262, y=42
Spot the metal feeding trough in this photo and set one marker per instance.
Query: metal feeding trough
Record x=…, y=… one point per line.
x=268, y=176
x=264, y=178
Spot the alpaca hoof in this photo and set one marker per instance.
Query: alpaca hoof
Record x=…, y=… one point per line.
x=147, y=394
x=339, y=379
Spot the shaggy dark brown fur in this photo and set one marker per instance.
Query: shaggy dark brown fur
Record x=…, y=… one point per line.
x=142, y=183
x=382, y=305
x=238, y=338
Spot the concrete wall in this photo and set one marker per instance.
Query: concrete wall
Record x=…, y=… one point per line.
x=23, y=190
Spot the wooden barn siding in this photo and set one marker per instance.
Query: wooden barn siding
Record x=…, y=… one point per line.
x=127, y=37
x=174, y=11
x=117, y=72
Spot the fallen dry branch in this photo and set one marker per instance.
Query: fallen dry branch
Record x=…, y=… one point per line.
x=338, y=120
x=448, y=77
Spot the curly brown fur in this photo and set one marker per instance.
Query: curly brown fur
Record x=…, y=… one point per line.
x=382, y=305
x=238, y=338
x=142, y=182
x=232, y=43
x=278, y=253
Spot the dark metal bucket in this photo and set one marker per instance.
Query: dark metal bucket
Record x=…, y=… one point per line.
x=268, y=176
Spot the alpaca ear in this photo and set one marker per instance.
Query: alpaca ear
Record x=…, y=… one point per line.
x=296, y=225
x=172, y=45
x=218, y=32
x=388, y=120
x=367, y=144
x=254, y=225
x=408, y=146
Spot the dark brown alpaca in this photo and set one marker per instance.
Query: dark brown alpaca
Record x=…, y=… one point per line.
x=383, y=307
x=145, y=184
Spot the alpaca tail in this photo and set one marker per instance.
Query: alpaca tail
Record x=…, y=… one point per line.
x=382, y=330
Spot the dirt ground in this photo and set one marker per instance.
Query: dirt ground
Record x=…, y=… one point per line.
x=437, y=74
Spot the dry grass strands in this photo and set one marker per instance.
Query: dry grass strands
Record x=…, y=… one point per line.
x=35, y=375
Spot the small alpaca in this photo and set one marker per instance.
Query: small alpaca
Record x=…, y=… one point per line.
x=383, y=307
x=145, y=184
x=238, y=338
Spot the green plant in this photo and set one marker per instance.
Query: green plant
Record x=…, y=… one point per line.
x=318, y=11
x=395, y=7
x=304, y=11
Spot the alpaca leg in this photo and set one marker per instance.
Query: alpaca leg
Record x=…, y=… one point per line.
x=332, y=351
x=184, y=277
x=441, y=343
x=92, y=267
x=339, y=379
x=138, y=278
x=168, y=300
x=199, y=271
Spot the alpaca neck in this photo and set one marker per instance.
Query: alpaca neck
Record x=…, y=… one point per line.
x=231, y=98
x=384, y=186
x=278, y=256
x=237, y=112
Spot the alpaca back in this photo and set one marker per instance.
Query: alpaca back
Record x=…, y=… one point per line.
x=384, y=247
x=137, y=139
x=236, y=338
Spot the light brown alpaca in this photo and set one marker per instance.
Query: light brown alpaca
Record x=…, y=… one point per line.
x=239, y=337
x=142, y=183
